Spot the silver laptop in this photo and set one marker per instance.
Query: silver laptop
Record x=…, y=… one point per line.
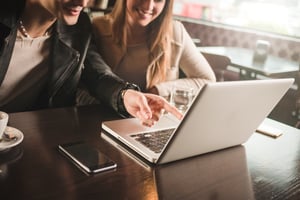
x=222, y=115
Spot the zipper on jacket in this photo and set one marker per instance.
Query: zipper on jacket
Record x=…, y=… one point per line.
x=4, y=45
x=2, y=70
x=63, y=78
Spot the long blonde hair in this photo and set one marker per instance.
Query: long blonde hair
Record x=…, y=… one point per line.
x=159, y=41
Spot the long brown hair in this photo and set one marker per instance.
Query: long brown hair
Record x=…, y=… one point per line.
x=159, y=41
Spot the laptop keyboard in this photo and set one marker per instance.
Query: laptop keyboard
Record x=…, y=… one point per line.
x=156, y=140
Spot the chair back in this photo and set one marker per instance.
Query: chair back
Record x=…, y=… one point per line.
x=218, y=63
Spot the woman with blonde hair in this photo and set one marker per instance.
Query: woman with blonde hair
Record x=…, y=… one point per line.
x=142, y=43
x=45, y=52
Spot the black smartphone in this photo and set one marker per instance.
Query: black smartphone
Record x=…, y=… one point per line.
x=88, y=158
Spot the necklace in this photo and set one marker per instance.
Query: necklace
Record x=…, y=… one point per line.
x=25, y=33
x=23, y=30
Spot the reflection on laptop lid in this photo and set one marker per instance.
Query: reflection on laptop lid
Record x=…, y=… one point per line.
x=222, y=175
x=223, y=114
x=216, y=175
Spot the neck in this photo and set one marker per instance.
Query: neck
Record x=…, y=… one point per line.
x=36, y=20
x=137, y=35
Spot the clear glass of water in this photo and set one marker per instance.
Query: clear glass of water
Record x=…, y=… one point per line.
x=182, y=97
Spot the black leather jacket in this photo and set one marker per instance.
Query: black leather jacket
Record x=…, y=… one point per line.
x=73, y=59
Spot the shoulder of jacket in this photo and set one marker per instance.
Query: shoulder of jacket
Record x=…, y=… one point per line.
x=177, y=24
x=178, y=30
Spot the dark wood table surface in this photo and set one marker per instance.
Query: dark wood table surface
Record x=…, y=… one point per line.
x=242, y=59
x=262, y=168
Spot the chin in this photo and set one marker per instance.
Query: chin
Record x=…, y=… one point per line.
x=143, y=23
x=70, y=20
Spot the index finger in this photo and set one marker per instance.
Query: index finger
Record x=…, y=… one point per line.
x=173, y=110
x=164, y=104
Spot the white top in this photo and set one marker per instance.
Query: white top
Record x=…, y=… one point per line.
x=26, y=74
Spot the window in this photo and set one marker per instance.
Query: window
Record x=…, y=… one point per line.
x=275, y=16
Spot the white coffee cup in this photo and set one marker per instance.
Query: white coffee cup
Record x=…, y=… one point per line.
x=3, y=122
x=182, y=97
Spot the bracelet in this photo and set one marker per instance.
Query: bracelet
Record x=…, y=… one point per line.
x=121, y=106
x=127, y=87
x=123, y=93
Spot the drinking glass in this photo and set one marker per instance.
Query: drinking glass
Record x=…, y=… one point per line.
x=182, y=97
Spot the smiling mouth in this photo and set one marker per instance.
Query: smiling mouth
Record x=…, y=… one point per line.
x=145, y=13
x=73, y=11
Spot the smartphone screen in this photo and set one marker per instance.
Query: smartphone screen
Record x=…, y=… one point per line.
x=90, y=159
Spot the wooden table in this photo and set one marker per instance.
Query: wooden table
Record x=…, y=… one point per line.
x=263, y=168
x=242, y=59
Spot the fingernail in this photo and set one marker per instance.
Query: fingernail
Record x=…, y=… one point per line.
x=147, y=115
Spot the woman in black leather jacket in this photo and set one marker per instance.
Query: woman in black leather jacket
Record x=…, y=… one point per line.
x=46, y=49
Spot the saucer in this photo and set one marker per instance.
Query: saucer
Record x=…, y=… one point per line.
x=6, y=144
